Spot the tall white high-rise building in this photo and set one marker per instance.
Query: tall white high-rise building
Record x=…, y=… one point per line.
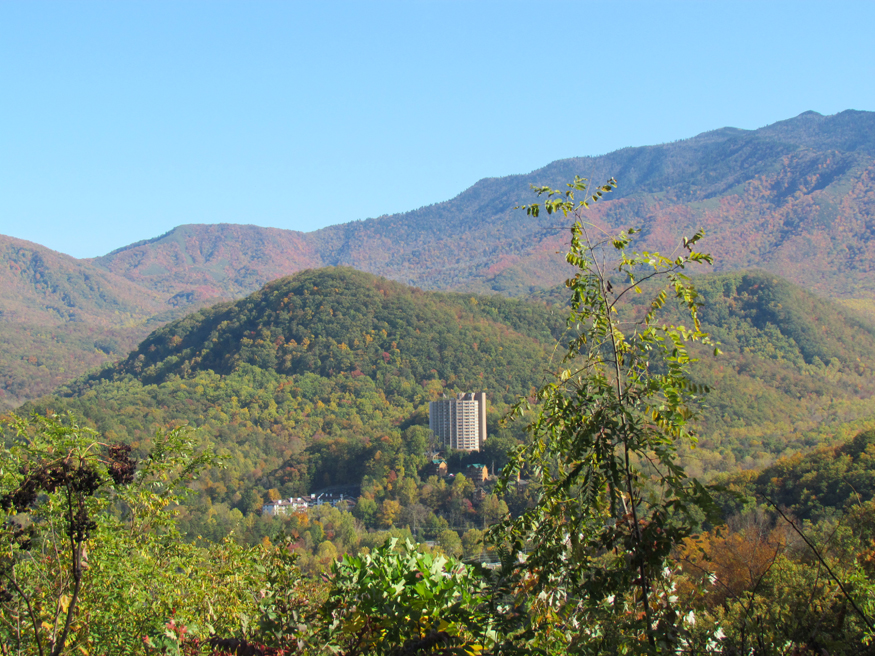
x=459, y=423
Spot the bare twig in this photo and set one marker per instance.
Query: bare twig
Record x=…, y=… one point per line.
x=30, y=612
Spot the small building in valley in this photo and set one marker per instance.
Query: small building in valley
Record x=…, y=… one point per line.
x=302, y=504
x=477, y=473
x=437, y=467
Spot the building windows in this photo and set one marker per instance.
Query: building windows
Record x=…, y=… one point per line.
x=459, y=423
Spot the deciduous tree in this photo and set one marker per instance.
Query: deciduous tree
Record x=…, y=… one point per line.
x=613, y=499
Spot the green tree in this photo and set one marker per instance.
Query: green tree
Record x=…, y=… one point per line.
x=326, y=552
x=365, y=510
x=56, y=478
x=408, y=492
x=472, y=542
x=462, y=487
x=613, y=500
x=492, y=510
x=88, y=548
x=449, y=541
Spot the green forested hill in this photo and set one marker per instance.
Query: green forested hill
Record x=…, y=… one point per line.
x=316, y=380
x=827, y=481
x=322, y=378
x=795, y=368
x=341, y=321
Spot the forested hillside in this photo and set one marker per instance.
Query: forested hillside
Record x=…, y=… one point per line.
x=213, y=261
x=61, y=317
x=795, y=369
x=824, y=483
x=323, y=378
x=318, y=380
x=342, y=321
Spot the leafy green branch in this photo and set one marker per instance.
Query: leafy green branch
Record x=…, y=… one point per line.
x=613, y=500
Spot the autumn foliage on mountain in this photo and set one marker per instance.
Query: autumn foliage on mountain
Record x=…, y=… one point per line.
x=321, y=380
x=795, y=198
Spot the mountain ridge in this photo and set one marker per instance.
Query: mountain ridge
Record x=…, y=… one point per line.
x=70, y=289
x=467, y=241
x=61, y=317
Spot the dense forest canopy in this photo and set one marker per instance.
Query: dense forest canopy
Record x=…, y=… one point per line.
x=341, y=321
x=322, y=380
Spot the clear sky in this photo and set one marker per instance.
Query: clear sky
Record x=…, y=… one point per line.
x=121, y=120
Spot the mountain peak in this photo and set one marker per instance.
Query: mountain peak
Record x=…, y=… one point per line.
x=849, y=131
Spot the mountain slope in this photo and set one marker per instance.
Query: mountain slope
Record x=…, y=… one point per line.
x=796, y=198
x=61, y=317
x=828, y=480
x=38, y=285
x=212, y=261
x=339, y=321
x=796, y=369
x=764, y=197
x=305, y=381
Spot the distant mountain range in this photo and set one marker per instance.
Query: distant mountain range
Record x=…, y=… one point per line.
x=796, y=198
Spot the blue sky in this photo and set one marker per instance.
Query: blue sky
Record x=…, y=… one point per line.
x=121, y=120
